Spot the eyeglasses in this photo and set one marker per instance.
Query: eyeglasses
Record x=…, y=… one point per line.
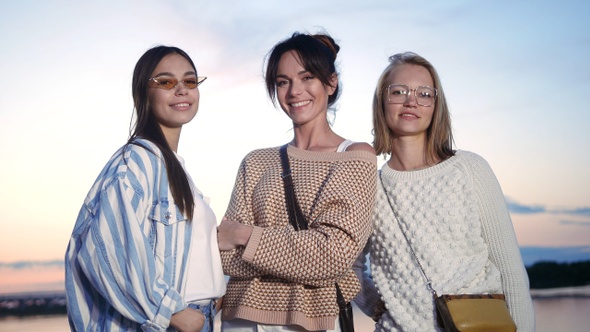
x=399, y=94
x=169, y=83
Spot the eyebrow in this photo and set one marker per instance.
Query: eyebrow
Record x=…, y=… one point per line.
x=303, y=72
x=170, y=74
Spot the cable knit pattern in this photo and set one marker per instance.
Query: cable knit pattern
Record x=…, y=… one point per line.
x=284, y=276
x=458, y=224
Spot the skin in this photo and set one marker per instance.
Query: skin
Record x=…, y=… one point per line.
x=178, y=106
x=304, y=99
x=409, y=121
x=174, y=108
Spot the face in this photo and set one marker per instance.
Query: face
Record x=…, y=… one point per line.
x=409, y=118
x=303, y=97
x=177, y=106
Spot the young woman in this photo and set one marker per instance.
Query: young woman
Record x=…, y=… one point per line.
x=449, y=204
x=282, y=279
x=143, y=254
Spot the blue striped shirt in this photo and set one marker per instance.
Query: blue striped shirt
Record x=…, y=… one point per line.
x=127, y=257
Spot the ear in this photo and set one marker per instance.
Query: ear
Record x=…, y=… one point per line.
x=333, y=84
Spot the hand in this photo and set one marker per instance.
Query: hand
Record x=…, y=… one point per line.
x=231, y=234
x=218, y=304
x=188, y=320
x=379, y=310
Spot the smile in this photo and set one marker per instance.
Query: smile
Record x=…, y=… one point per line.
x=301, y=103
x=181, y=105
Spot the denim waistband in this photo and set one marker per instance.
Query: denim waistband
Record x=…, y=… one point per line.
x=207, y=307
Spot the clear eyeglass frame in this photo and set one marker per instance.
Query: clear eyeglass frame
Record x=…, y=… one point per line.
x=421, y=99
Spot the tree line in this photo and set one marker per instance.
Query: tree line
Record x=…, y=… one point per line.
x=556, y=275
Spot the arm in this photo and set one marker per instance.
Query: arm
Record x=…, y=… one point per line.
x=339, y=226
x=118, y=259
x=240, y=211
x=499, y=234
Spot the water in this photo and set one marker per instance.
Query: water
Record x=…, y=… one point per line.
x=553, y=314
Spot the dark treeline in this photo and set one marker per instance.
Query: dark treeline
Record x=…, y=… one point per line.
x=555, y=275
x=541, y=275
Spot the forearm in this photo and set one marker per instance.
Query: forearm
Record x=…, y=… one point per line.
x=317, y=256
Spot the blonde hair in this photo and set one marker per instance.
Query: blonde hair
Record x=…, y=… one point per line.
x=439, y=135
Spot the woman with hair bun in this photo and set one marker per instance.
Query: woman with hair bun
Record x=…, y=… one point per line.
x=281, y=278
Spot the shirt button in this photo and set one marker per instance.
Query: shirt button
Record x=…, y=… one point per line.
x=168, y=215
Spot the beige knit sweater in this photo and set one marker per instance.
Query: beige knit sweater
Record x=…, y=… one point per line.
x=284, y=276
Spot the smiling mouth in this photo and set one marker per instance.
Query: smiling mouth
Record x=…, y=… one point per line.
x=181, y=105
x=300, y=103
x=408, y=115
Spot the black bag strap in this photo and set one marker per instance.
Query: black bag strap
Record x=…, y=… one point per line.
x=296, y=217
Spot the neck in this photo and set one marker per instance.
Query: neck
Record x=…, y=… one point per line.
x=172, y=136
x=316, y=138
x=408, y=154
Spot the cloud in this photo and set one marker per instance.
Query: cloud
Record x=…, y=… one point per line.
x=575, y=222
x=518, y=208
x=31, y=264
x=582, y=211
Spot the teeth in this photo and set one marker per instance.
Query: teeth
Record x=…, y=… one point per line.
x=301, y=103
x=181, y=105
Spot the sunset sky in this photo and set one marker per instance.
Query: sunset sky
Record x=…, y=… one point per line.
x=516, y=75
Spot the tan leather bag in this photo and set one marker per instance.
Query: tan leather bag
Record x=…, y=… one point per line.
x=474, y=312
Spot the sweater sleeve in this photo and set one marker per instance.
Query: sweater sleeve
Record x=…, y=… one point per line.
x=499, y=234
x=118, y=260
x=240, y=210
x=339, y=227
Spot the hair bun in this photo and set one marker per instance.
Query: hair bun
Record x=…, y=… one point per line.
x=329, y=42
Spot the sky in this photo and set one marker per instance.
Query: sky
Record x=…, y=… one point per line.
x=516, y=75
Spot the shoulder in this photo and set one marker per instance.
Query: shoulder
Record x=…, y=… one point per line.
x=471, y=159
x=261, y=155
x=361, y=146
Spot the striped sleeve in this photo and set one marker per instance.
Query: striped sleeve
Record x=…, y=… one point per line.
x=117, y=256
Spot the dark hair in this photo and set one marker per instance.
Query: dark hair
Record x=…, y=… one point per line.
x=439, y=135
x=317, y=54
x=146, y=125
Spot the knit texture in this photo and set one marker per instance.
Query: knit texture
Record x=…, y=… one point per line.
x=284, y=276
x=458, y=224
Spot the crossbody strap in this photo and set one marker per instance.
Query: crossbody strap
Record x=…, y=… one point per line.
x=428, y=282
x=296, y=217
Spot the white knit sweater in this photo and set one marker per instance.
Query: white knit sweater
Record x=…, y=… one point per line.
x=456, y=218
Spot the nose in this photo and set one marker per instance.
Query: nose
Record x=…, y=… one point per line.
x=180, y=89
x=411, y=101
x=295, y=88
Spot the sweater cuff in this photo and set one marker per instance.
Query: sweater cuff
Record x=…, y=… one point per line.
x=252, y=245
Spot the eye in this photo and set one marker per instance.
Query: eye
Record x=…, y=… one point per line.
x=167, y=83
x=308, y=78
x=424, y=92
x=282, y=83
x=398, y=90
x=190, y=81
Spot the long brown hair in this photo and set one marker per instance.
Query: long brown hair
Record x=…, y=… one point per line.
x=146, y=125
x=439, y=135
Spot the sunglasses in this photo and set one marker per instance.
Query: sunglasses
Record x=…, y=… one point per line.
x=169, y=83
